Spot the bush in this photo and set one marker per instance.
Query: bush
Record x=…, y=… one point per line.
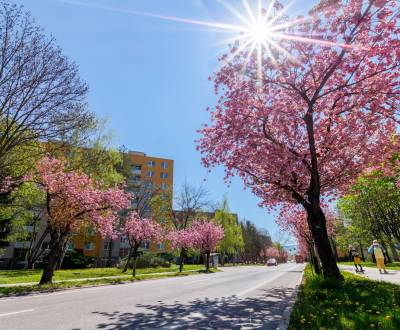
x=75, y=259
x=148, y=260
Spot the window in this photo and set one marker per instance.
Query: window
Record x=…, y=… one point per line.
x=70, y=246
x=146, y=245
x=151, y=163
x=163, y=175
x=89, y=246
x=164, y=165
x=161, y=246
x=136, y=169
x=150, y=174
x=107, y=246
x=123, y=252
x=148, y=185
x=164, y=186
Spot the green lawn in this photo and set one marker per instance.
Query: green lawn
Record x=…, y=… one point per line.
x=24, y=275
x=357, y=303
x=22, y=290
x=392, y=265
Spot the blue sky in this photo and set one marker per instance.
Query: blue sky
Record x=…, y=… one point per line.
x=148, y=78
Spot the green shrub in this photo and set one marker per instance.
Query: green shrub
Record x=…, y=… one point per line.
x=147, y=260
x=75, y=259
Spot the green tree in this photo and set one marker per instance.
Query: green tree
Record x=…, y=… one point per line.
x=232, y=243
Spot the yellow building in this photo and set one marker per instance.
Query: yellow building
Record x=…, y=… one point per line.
x=144, y=174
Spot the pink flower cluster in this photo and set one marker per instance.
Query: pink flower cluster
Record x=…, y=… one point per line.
x=330, y=106
x=74, y=200
x=6, y=185
x=293, y=220
x=140, y=230
x=202, y=235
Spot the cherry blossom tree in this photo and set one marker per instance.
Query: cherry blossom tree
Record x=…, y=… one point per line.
x=302, y=124
x=75, y=201
x=272, y=252
x=139, y=230
x=181, y=240
x=206, y=235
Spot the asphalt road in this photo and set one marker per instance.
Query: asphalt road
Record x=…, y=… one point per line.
x=247, y=297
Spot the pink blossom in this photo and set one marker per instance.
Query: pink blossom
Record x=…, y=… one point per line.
x=74, y=200
x=206, y=234
x=349, y=95
x=139, y=230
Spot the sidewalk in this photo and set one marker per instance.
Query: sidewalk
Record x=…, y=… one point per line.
x=128, y=276
x=393, y=276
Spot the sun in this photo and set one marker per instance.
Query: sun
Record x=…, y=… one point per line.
x=259, y=32
x=262, y=27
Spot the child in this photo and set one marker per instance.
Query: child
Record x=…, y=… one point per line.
x=378, y=251
x=356, y=258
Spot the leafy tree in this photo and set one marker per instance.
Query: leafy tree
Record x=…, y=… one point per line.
x=139, y=230
x=232, y=243
x=299, y=125
x=190, y=202
x=206, y=235
x=372, y=210
x=42, y=97
x=255, y=242
x=74, y=201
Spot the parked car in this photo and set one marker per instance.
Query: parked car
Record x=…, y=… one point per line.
x=272, y=262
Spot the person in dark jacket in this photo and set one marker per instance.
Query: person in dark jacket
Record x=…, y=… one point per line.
x=355, y=257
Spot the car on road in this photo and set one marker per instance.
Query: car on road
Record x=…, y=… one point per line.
x=272, y=262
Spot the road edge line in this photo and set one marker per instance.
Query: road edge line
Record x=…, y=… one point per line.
x=284, y=322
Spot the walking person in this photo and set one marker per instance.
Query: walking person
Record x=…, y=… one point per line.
x=355, y=256
x=378, y=252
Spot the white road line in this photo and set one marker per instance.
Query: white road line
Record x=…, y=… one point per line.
x=270, y=279
x=17, y=312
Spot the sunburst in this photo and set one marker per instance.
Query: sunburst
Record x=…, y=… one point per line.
x=261, y=29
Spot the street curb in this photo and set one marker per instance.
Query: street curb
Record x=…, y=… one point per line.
x=284, y=323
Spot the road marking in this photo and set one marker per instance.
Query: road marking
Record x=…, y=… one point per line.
x=17, y=312
x=241, y=293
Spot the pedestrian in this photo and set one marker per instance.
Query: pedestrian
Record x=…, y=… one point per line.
x=377, y=250
x=354, y=255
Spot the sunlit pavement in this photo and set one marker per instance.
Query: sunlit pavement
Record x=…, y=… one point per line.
x=247, y=297
x=393, y=276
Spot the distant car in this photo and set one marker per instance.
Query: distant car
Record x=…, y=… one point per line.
x=272, y=262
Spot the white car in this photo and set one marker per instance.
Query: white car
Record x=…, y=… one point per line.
x=272, y=262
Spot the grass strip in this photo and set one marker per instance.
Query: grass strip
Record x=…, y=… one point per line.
x=392, y=265
x=33, y=275
x=355, y=303
x=24, y=290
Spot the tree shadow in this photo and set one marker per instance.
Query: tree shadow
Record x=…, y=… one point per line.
x=262, y=312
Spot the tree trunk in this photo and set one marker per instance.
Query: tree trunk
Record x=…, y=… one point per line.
x=334, y=249
x=64, y=251
x=127, y=261
x=56, y=247
x=134, y=257
x=385, y=252
x=362, y=252
x=207, y=261
x=109, y=259
x=317, y=223
x=182, y=257
x=314, y=261
x=222, y=259
x=395, y=255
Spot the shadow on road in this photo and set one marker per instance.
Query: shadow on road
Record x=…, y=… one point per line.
x=262, y=312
